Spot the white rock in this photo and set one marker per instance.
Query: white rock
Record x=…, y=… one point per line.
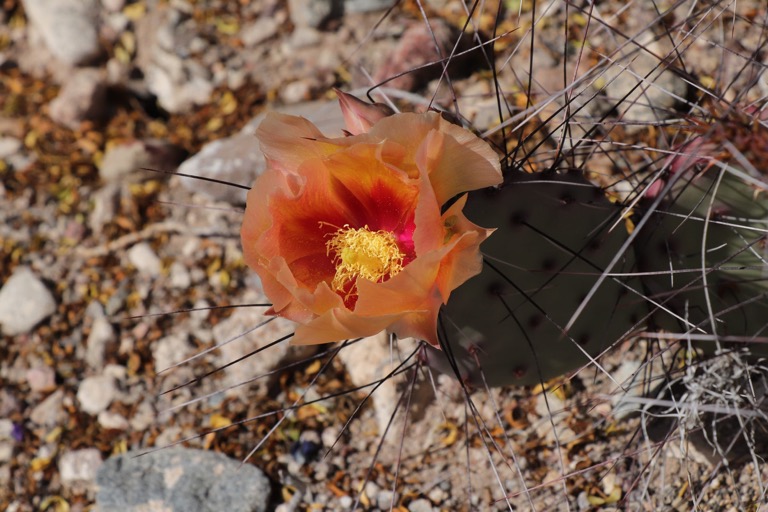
x=6, y=451
x=9, y=146
x=259, y=31
x=175, y=94
x=420, y=505
x=41, y=378
x=96, y=393
x=144, y=259
x=101, y=336
x=387, y=499
x=113, y=5
x=50, y=412
x=122, y=160
x=68, y=27
x=105, y=204
x=180, y=278
x=79, y=466
x=112, y=421
x=313, y=13
x=138, y=161
x=83, y=97
x=170, y=350
x=295, y=92
x=143, y=417
x=24, y=302
x=6, y=430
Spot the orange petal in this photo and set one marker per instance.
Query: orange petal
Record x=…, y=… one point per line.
x=339, y=324
x=287, y=141
x=464, y=259
x=360, y=116
x=457, y=161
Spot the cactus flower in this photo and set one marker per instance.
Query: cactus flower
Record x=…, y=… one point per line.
x=348, y=234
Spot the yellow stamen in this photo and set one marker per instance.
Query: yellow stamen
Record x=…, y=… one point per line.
x=372, y=255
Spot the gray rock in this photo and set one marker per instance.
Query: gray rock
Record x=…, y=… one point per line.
x=24, y=302
x=314, y=13
x=238, y=159
x=180, y=480
x=82, y=98
x=50, y=412
x=79, y=467
x=96, y=393
x=68, y=28
x=144, y=259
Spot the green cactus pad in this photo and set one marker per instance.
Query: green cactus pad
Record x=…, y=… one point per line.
x=706, y=254
x=552, y=244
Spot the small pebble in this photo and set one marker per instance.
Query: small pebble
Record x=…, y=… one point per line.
x=41, y=378
x=420, y=505
x=144, y=259
x=68, y=28
x=112, y=421
x=96, y=393
x=24, y=302
x=9, y=146
x=170, y=350
x=102, y=335
x=6, y=451
x=386, y=499
x=180, y=278
x=79, y=466
x=82, y=98
x=50, y=412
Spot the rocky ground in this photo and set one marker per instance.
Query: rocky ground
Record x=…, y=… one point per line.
x=96, y=254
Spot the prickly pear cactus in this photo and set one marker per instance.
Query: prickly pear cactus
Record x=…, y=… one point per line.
x=704, y=250
x=552, y=244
